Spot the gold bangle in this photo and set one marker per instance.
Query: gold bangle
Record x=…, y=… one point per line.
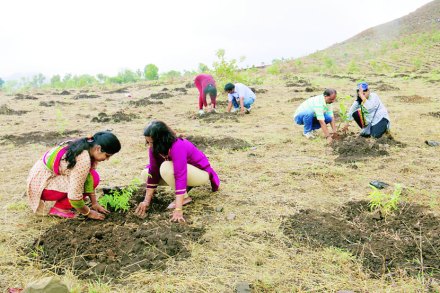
x=178, y=209
x=87, y=212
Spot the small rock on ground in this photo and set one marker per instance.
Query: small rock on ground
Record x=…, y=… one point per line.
x=242, y=287
x=230, y=217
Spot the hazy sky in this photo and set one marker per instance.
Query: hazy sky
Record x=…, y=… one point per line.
x=94, y=36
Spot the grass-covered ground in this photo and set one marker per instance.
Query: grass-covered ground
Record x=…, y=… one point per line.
x=281, y=174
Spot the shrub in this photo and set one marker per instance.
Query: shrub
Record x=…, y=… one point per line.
x=151, y=72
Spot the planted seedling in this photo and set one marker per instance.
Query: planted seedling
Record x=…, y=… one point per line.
x=343, y=110
x=383, y=202
x=119, y=199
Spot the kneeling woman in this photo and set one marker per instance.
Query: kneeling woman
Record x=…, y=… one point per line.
x=66, y=174
x=369, y=113
x=175, y=162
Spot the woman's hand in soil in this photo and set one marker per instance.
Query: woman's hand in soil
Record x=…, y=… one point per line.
x=99, y=208
x=178, y=216
x=95, y=215
x=142, y=209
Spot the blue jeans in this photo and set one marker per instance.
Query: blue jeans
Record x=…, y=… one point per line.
x=247, y=103
x=310, y=122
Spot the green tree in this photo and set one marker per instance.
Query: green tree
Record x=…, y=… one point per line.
x=55, y=81
x=38, y=80
x=151, y=72
x=101, y=77
x=2, y=82
x=172, y=74
x=203, y=68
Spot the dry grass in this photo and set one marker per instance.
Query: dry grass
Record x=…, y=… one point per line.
x=281, y=175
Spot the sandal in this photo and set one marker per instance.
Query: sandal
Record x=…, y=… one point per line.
x=185, y=201
x=62, y=213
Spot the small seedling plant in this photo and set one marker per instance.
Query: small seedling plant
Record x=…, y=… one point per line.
x=343, y=110
x=119, y=200
x=383, y=202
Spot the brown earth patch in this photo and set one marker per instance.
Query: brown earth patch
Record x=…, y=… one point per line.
x=352, y=147
x=24, y=97
x=85, y=96
x=181, y=90
x=160, y=96
x=5, y=110
x=213, y=117
x=434, y=114
x=203, y=142
x=53, y=103
x=407, y=241
x=117, y=117
x=49, y=138
x=145, y=102
x=118, y=91
x=116, y=247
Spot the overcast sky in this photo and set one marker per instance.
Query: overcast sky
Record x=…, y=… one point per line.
x=85, y=36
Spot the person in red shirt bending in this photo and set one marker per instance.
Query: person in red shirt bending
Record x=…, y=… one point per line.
x=205, y=83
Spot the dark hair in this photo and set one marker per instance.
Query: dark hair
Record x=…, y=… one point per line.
x=329, y=92
x=108, y=141
x=229, y=87
x=211, y=90
x=163, y=137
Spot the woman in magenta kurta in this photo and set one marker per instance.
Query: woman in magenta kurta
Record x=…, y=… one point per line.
x=176, y=162
x=205, y=83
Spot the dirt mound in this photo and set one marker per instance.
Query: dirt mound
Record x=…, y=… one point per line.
x=434, y=114
x=63, y=93
x=353, y=147
x=203, y=142
x=5, y=110
x=85, y=96
x=189, y=85
x=415, y=99
x=311, y=89
x=118, y=91
x=53, y=103
x=50, y=138
x=295, y=99
x=407, y=241
x=259, y=90
x=212, y=117
x=145, y=102
x=24, y=97
x=160, y=96
x=119, y=116
x=381, y=86
x=181, y=90
x=118, y=246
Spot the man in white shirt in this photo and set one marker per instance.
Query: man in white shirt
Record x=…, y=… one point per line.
x=240, y=97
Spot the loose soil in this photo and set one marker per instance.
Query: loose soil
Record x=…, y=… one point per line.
x=434, y=114
x=50, y=138
x=386, y=245
x=85, y=96
x=381, y=86
x=181, y=90
x=189, y=85
x=145, y=102
x=160, y=96
x=53, y=103
x=414, y=99
x=118, y=246
x=212, y=117
x=63, y=93
x=118, y=91
x=352, y=147
x=117, y=117
x=203, y=142
x=298, y=82
x=24, y=97
x=259, y=90
x=5, y=110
